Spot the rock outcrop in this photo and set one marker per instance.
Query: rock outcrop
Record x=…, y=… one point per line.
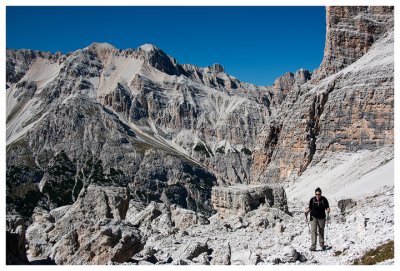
x=191, y=250
x=102, y=242
x=58, y=183
x=288, y=82
x=352, y=109
x=90, y=231
x=240, y=199
x=38, y=234
x=98, y=202
x=345, y=204
x=157, y=218
x=350, y=33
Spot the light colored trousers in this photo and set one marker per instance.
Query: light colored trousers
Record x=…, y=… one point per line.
x=320, y=224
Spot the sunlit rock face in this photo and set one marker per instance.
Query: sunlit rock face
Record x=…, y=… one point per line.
x=350, y=109
x=350, y=33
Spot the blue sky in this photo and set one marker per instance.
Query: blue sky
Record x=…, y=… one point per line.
x=254, y=44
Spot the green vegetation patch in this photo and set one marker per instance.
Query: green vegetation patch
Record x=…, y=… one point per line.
x=382, y=253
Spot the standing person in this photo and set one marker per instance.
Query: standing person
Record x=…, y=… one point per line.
x=317, y=206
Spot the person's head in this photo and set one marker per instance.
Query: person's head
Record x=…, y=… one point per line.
x=318, y=192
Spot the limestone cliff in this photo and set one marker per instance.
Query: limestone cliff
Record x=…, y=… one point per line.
x=350, y=109
x=350, y=33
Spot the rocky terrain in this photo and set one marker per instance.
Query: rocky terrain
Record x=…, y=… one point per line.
x=128, y=157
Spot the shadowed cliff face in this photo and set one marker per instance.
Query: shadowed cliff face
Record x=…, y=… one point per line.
x=169, y=132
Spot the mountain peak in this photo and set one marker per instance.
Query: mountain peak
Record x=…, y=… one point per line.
x=159, y=59
x=148, y=47
x=217, y=67
x=100, y=46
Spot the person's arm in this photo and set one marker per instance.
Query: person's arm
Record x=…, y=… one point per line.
x=308, y=209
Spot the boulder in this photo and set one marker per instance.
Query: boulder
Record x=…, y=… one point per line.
x=59, y=212
x=221, y=255
x=98, y=243
x=151, y=212
x=97, y=202
x=93, y=204
x=183, y=218
x=37, y=234
x=290, y=255
x=241, y=199
x=191, y=250
x=345, y=204
x=202, y=259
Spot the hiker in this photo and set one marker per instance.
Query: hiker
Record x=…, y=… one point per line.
x=317, y=206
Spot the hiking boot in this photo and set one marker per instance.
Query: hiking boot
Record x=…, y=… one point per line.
x=323, y=247
x=312, y=248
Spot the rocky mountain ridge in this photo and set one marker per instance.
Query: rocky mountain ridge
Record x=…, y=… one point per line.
x=139, y=102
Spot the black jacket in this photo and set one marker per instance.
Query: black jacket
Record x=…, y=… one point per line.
x=318, y=207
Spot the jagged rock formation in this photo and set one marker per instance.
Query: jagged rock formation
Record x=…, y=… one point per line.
x=191, y=251
x=90, y=231
x=125, y=156
x=240, y=199
x=98, y=243
x=37, y=234
x=284, y=84
x=127, y=112
x=350, y=33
